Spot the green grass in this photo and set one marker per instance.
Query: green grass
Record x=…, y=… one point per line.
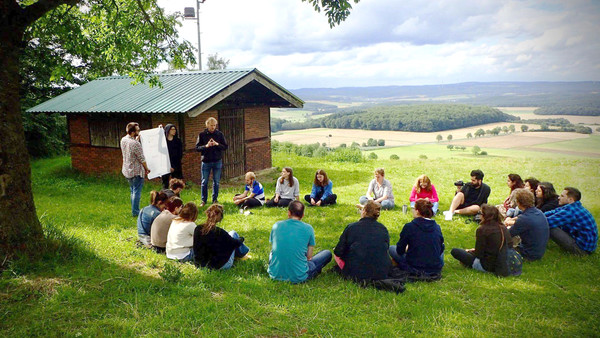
x=591, y=144
x=107, y=286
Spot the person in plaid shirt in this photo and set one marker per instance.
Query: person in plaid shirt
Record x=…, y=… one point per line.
x=134, y=165
x=572, y=226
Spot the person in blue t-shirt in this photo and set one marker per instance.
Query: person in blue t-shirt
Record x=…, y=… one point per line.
x=292, y=244
x=254, y=194
x=321, y=194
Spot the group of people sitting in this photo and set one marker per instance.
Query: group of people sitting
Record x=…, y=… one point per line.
x=363, y=251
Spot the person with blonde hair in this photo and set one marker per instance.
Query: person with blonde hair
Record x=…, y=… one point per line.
x=424, y=189
x=362, y=250
x=214, y=247
x=321, y=193
x=380, y=191
x=180, y=239
x=211, y=144
x=253, y=195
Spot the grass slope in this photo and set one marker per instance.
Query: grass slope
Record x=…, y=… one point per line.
x=107, y=286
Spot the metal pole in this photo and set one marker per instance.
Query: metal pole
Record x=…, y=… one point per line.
x=199, y=47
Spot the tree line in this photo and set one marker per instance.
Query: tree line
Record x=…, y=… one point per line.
x=569, y=110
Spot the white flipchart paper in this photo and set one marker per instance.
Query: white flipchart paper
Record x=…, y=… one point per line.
x=154, y=145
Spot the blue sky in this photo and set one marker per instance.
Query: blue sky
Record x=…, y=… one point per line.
x=401, y=42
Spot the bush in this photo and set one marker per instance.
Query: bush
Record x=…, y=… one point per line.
x=171, y=273
x=321, y=152
x=583, y=130
x=423, y=157
x=476, y=150
x=483, y=153
x=381, y=143
x=372, y=156
x=394, y=157
x=343, y=145
x=354, y=145
x=450, y=147
x=353, y=155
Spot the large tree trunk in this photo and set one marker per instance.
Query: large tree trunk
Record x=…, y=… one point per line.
x=20, y=229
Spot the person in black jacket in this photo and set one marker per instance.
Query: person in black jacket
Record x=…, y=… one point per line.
x=469, y=197
x=211, y=144
x=547, y=198
x=175, y=148
x=362, y=251
x=420, y=250
x=214, y=247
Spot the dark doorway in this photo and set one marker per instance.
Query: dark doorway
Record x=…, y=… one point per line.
x=231, y=124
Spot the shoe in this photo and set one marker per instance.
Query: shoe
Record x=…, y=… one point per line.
x=246, y=257
x=201, y=204
x=447, y=215
x=215, y=202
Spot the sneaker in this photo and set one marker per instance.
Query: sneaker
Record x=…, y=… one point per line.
x=201, y=204
x=246, y=257
x=447, y=215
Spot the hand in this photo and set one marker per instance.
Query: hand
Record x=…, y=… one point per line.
x=172, y=170
x=147, y=170
x=276, y=199
x=237, y=202
x=470, y=250
x=318, y=203
x=312, y=201
x=160, y=126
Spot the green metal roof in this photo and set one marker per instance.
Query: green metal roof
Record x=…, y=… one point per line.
x=180, y=93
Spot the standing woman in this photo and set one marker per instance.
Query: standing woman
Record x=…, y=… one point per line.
x=214, y=247
x=424, y=189
x=381, y=189
x=547, y=199
x=287, y=189
x=147, y=216
x=175, y=154
x=490, y=238
x=321, y=194
x=180, y=239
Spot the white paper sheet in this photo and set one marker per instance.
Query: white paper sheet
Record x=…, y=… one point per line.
x=154, y=145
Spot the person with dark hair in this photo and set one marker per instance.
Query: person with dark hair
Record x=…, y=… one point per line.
x=175, y=148
x=180, y=239
x=286, y=190
x=547, y=199
x=513, y=181
x=420, y=250
x=490, y=238
x=572, y=226
x=214, y=247
x=531, y=226
x=162, y=223
x=292, y=244
x=381, y=191
x=147, y=216
x=176, y=185
x=211, y=144
x=469, y=197
x=134, y=165
x=322, y=191
x=362, y=250
x=254, y=194
x=532, y=184
x=423, y=188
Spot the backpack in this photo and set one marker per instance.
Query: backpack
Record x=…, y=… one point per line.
x=509, y=261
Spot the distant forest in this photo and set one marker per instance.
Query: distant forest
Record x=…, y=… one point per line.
x=569, y=110
x=417, y=118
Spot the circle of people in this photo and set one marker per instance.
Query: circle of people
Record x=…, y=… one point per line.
x=532, y=214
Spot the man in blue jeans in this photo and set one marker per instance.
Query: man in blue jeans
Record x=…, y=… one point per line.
x=292, y=245
x=134, y=165
x=211, y=144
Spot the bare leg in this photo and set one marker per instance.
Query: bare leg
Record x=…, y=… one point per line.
x=470, y=210
x=458, y=199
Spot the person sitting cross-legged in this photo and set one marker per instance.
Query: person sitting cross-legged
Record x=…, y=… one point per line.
x=292, y=244
x=321, y=194
x=469, y=197
x=531, y=226
x=381, y=189
x=287, y=189
x=572, y=226
x=162, y=223
x=180, y=238
x=253, y=195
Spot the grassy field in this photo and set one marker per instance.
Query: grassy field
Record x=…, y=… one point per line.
x=98, y=283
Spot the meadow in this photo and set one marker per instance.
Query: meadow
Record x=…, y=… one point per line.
x=96, y=282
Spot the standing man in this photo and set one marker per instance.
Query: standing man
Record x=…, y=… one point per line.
x=211, y=144
x=134, y=165
x=469, y=197
x=292, y=244
x=572, y=226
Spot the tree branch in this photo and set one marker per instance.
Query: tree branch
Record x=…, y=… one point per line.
x=35, y=11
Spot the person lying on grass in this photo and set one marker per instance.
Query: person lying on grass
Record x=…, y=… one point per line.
x=490, y=238
x=147, y=216
x=180, y=239
x=420, y=250
x=530, y=225
x=362, y=250
x=292, y=244
x=380, y=190
x=214, y=247
x=321, y=194
x=469, y=197
x=162, y=223
x=254, y=194
x=424, y=189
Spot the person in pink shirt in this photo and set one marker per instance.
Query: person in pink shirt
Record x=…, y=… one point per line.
x=424, y=189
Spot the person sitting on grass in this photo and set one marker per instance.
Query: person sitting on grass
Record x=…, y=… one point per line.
x=214, y=247
x=531, y=226
x=362, y=250
x=469, y=197
x=292, y=244
x=424, y=189
x=162, y=223
x=321, y=194
x=572, y=226
x=286, y=190
x=547, y=199
x=381, y=189
x=490, y=238
x=147, y=216
x=532, y=184
x=180, y=239
x=513, y=181
x=253, y=195
x=175, y=187
x=420, y=250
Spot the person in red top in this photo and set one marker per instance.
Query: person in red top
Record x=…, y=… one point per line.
x=425, y=190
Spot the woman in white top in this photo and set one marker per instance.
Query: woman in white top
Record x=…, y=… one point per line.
x=381, y=191
x=180, y=239
x=287, y=189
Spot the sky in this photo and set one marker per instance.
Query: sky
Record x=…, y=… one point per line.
x=402, y=42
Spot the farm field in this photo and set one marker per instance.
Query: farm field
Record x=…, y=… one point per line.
x=98, y=283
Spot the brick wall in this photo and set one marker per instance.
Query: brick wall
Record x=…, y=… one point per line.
x=258, y=155
x=257, y=122
x=258, y=138
x=78, y=129
x=96, y=160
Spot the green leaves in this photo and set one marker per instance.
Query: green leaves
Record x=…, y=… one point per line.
x=335, y=10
